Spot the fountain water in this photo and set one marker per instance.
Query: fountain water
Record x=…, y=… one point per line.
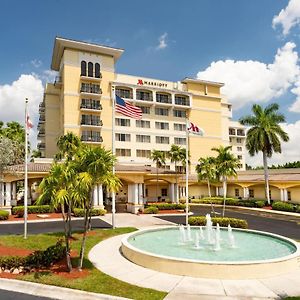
x=231, y=237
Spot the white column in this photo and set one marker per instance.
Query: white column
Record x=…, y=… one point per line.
x=176, y=199
x=140, y=193
x=14, y=190
x=217, y=191
x=281, y=195
x=95, y=196
x=172, y=196
x=285, y=194
x=1, y=194
x=100, y=195
x=8, y=194
x=246, y=192
x=133, y=193
x=136, y=193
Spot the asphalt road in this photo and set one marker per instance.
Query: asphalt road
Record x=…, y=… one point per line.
x=48, y=227
x=278, y=224
x=9, y=295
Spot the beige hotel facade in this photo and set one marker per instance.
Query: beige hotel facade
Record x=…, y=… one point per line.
x=81, y=98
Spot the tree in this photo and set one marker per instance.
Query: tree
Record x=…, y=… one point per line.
x=159, y=158
x=226, y=164
x=206, y=170
x=264, y=135
x=68, y=145
x=35, y=154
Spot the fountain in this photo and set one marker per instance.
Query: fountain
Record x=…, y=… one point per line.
x=212, y=251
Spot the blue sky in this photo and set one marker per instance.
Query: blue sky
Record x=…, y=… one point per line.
x=226, y=40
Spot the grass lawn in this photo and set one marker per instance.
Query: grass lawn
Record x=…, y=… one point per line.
x=95, y=281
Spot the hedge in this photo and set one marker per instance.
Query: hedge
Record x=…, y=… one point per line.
x=79, y=212
x=166, y=206
x=230, y=201
x=38, y=259
x=32, y=209
x=283, y=206
x=4, y=215
x=223, y=222
x=151, y=210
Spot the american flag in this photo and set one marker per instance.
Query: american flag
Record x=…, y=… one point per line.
x=193, y=128
x=127, y=109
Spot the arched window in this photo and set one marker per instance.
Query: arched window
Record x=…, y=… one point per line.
x=97, y=70
x=83, y=68
x=90, y=69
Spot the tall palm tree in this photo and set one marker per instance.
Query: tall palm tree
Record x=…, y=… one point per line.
x=175, y=155
x=206, y=170
x=68, y=145
x=159, y=158
x=264, y=135
x=226, y=164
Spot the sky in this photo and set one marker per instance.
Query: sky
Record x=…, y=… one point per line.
x=251, y=46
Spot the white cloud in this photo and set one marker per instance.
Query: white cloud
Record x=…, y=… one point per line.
x=162, y=42
x=288, y=17
x=36, y=63
x=12, y=101
x=290, y=149
x=254, y=81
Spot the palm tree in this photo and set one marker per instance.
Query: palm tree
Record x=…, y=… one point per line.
x=35, y=154
x=159, y=158
x=206, y=170
x=94, y=166
x=265, y=135
x=68, y=145
x=226, y=164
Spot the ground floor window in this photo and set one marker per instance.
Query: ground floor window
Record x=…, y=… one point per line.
x=164, y=192
x=251, y=193
x=237, y=192
x=289, y=195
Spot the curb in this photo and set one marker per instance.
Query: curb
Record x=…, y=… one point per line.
x=52, y=292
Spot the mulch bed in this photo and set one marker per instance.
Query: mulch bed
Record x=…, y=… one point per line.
x=35, y=217
x=170, y=211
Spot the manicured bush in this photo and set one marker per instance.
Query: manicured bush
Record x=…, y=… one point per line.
x=32, y=209
x=4, y=215
x=298, y=209
x=151, y=210
x=79, y=212
x=223, y=222
x=38, y=259
x=167, y=206
x=283, y=206
x=260, y=203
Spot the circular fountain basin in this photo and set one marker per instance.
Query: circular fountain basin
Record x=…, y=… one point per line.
x=255, y=254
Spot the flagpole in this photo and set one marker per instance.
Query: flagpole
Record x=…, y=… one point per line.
x=26, y=172
x=187, y=174
x=113, y=195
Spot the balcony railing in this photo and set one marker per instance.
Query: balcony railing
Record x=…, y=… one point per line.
x=91, y=88
x=162, y=100
x=92, y=123
x=90, y=106
x=94, y=75
x=41, y=133
x=57, y=80
x=180, y=101
x=42, y=119
x=92, y=139
x=41, y=146
x=240, y=132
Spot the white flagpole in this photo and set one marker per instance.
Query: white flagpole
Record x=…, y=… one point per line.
x=187, y=174
x=113, y=195
x=26, y=172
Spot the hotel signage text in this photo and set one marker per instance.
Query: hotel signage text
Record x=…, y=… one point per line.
x=151, y=83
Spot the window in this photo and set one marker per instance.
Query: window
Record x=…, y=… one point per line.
x=182, y=100
x=179, y=113
x=164, y=192
x=146, y=192
x=144, y=95
x=123, y=152
x=142, y=123
x=230, y=139
x=124, y=93
x=143, y=153
x=161, y=111
x=240, y=132
x=91, y=120
x=289, y=195
x=251, y=193
x=83, y=68
x=90, y=88
x=179, y=141
x=270, y=194
x=180, y=169
x=179, y=127
x=145, y=109
x=140, y=138
x=163, y=98
x=162, y=140
x=91, y=136
x=122, y=137
x=122, y=122
x=90, y=69
x=236, y=192
x=97, y=70
x=231, y=131
x=90, y=104
x=239, y=149
x=239, y=140
x=240, y=157
x=162, y=125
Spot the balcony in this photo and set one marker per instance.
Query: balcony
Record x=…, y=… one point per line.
x=240, y=132
x=163, y=98
x=90, y=89
x=91, y=139
x=93, y=77
x=91, y=123
x=42, y=119
x=90, y=106
x=57, y=81
x=231, y=131
x=41, y=146
x=184, y=101
x=41, y=133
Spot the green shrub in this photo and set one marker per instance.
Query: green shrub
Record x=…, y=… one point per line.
x=223, y=222
x=298, y=209
x=167, y=206
x=4, y=215
x=151, y=210
x=37, y=259
x=32, y=209
x=283, y=206
x=260, y=203
x=79, y=212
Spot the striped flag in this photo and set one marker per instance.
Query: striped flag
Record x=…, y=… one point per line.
x=193, y=128
x=127, y=109
x=29, y=124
